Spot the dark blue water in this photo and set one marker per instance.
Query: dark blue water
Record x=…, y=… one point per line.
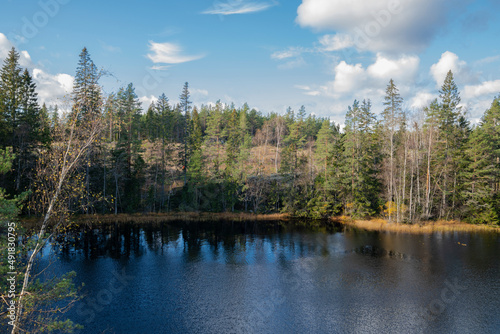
x=224, y=277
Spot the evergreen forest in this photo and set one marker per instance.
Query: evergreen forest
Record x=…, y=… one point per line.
x=403, y=165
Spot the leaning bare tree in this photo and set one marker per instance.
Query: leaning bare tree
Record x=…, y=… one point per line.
x=59, y=183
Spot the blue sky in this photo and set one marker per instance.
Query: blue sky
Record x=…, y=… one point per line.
x=272, y=54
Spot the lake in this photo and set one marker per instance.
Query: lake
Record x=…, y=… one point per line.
x=270, y=277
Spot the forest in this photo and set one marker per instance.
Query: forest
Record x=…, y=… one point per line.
x=405, y=166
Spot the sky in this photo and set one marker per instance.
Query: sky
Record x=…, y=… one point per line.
x=271, y=54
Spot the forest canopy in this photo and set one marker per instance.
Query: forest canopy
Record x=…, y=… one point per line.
x=406, y=166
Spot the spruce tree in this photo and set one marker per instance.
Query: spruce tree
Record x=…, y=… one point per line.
x=86, y=90
x=214, y=137
x=481, y=175
x=450, y=145
x=185, y=107
x=128, y=165
x=196, y=133
x=11, y=85
x=360, y=186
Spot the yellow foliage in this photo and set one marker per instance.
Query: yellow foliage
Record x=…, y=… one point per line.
x=390, y=208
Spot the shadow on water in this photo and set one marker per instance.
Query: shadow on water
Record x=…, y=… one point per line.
x=118, y=240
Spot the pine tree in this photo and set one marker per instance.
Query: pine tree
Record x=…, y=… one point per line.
x=324, y=203
x=86, y=90
x=196, y=133
x=45, y=125
x=481, y=175
x=87, y=103
x=28, y=132
x=392, y=118
x=324, y=147
x=451, y=141
x=360, y=187
x=128, y=164
x=214, y=136
x=165, y=113
x=151, y=123
x=185, y=107
x=11, y=96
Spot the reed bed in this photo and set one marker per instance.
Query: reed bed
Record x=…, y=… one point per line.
x=422, y=227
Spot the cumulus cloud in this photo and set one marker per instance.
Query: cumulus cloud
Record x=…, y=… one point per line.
x=403, y=69
x=6, y=46
x=147, y=100
x=485, y=88
x=450, y=61
x=53, y=88
x=378, y=25
x=422, y=99
x=238, y=7
x=168, y=53
x=349, y=78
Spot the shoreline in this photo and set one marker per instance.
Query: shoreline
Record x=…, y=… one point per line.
x=378, y=224
x=374, y=224
x=187, y=216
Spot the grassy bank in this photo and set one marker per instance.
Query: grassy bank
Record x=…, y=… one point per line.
x=422, y=227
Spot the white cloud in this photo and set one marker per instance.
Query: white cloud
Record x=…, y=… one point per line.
x=288, y=53
x=487, y=60
x=198, y=94
x=485, y=88
x=403, y=69
x=238, y=7
x=50, y=88
x=168, y=53
x=422, y=99
x=379, y=25
x=160, y=67
x=308, y=90
x=146, y=101
x=336, y=42
x=348, y=77
x=6, y=46
x=450, y=61
x=294, y=63
x=53, y=88
x=352, y=78
x=313, y=93
x=197, y=91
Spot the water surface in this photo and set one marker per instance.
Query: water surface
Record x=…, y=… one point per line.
x=223, y=277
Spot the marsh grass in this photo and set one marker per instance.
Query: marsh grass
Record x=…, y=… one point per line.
x=378, y=224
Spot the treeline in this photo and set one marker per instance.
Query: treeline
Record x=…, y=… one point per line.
x=407, y=167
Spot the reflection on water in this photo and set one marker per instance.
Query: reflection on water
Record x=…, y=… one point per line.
x=259, y=277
